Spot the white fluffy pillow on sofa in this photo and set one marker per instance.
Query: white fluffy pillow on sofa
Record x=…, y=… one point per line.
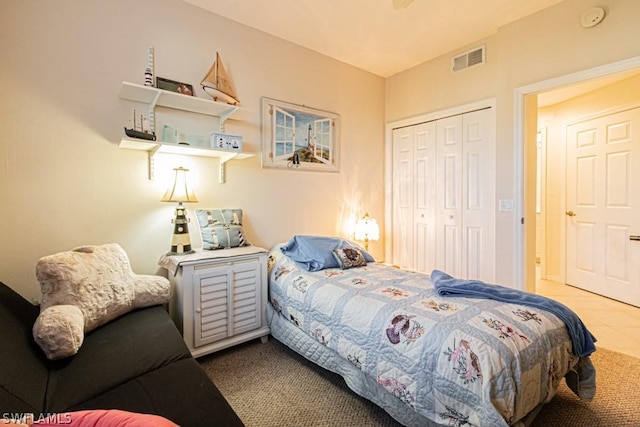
x=85, y=288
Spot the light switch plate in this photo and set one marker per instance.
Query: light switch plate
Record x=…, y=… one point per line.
x=505, y=205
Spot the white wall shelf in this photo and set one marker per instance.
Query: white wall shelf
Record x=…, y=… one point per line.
x=163, y=98
x=154, y=147
x=155, y=97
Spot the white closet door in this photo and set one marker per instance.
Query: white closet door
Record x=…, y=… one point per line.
x=478, y=195
x=403, y=204
x=444, y=196
x=424, y=137
x=449, y=195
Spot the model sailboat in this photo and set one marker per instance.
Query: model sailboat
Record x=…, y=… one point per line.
x=218, y=85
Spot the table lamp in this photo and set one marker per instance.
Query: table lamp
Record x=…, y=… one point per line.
x=180, y=192
x=366, y=230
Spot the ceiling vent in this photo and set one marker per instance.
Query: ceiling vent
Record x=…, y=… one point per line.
x=468, y=59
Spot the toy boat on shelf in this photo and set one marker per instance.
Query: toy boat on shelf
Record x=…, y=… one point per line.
x=217, y=84
x=134, y=133
x=140, y=133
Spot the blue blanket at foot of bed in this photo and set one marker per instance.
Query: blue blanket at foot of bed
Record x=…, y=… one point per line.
x=582, y=340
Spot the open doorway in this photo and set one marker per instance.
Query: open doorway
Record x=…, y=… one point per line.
x=588, y=157
x=530, y=202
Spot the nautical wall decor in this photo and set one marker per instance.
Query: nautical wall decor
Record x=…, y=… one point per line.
x=225, y=141
x=299, y=137
x=148, y=72
x=140, y=128
x=217, y=83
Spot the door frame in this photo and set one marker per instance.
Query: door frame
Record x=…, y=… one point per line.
x=524, y=233
x=388, y=156
x=541, y=202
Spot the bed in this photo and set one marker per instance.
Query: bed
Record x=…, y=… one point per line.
x=425, y=359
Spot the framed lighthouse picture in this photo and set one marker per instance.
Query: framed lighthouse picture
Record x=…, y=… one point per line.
x=298, y=137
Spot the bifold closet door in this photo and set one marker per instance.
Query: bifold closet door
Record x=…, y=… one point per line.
x=414, y=241
x=465, y=195
x=424, y=213
x=478, y=195
x=403, y=205
x=449, y=195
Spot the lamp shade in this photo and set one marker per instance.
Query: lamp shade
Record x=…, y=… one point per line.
x=180, y=191
x=367, y=229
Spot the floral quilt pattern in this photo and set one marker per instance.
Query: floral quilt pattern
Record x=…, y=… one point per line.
x=450, y=359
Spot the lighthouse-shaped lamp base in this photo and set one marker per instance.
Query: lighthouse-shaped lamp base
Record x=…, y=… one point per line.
x=181, y=243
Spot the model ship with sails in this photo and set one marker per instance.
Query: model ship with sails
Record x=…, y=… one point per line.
x=218, y=85
x=140, y=132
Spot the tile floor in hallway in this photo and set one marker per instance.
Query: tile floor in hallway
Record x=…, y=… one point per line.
x=615, y=325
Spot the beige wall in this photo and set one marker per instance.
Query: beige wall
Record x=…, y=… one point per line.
x=555, y=119
x=64, y=182
x=543, y=46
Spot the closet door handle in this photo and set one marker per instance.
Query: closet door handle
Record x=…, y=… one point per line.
x=632, y=237
x=570, y=213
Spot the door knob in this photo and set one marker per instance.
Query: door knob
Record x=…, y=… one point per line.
x=570, y=213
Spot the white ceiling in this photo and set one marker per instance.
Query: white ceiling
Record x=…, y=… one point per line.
x=372, y=34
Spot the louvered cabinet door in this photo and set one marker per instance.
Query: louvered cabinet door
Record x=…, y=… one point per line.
x=244, y=313
x=213, y=304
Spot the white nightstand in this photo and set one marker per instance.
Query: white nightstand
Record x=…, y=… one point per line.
x=218, y=297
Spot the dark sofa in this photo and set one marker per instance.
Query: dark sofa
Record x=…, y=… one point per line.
x=137, y=363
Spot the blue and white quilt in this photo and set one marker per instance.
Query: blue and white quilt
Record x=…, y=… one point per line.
x=455, y=361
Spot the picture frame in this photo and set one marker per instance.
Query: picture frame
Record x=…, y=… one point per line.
x=297, y=137
x=174, y=86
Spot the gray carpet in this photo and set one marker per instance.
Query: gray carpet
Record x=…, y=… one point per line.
x=269, y=385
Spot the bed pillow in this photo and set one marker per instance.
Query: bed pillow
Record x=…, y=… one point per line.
x=349, y=258
x=314, y=253
x=221, y=228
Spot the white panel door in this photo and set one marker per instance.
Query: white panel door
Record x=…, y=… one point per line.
x=449, y=195
x=603, y=206
x=403, y=204
x=424, y=138
x=478, y=195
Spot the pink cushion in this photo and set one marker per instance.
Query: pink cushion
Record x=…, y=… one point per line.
x=104, y=418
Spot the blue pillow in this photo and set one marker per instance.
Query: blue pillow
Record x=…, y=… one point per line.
x=314, y=253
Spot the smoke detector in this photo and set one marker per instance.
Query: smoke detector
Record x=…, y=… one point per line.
x=592, y=17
